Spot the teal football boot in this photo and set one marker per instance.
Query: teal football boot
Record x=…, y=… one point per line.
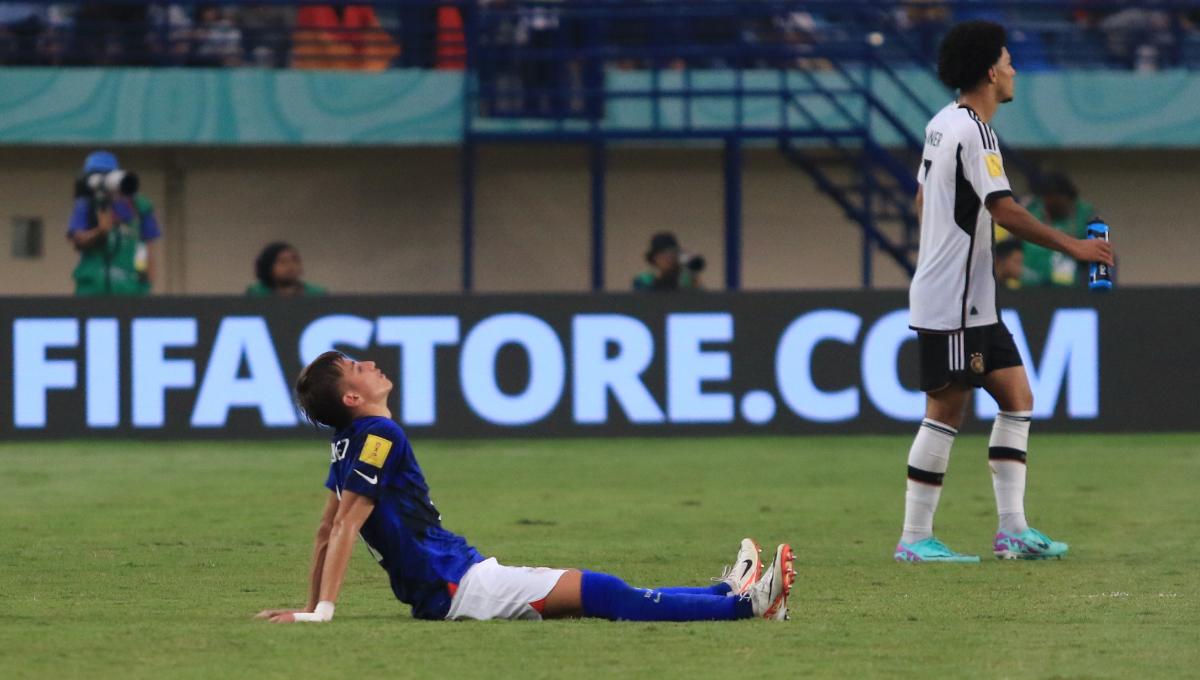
x=1030, y=544
x=930, y=550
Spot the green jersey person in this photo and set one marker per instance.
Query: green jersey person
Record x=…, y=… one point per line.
x=280, y=272
x=669, y=270
x=1058, y=205
x=115, y=239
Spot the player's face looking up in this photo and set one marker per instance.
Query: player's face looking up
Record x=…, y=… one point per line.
x=363, y=384
x=334, y=389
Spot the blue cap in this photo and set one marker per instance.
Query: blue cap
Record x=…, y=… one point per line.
x=100, y=161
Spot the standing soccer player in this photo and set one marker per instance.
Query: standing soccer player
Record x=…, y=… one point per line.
x=377, y=491
x=952, y=300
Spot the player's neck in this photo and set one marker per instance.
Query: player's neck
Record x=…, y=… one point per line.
x=982, y=101
x=372, y=410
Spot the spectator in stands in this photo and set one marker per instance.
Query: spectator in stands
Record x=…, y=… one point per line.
x=1010, y=262
x=171, y=33
x=21, y=25
x=266, y=32
x=1139, y=37
x=115, y=235
x=55, y=41
x=218, y=39
x=280, y=272
x=669, y=269
x=1057, y=203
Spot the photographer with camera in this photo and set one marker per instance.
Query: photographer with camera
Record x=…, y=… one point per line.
x=670, y=269
x=113, y=228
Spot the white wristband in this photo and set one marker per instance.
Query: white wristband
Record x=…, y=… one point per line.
x=323, y=612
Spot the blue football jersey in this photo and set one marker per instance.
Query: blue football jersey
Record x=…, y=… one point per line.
x=372, y=457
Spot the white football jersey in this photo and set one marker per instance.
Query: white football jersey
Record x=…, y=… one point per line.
x=961, y=172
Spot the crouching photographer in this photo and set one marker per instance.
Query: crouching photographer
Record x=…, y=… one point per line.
x=114, y=229
x=670, y=269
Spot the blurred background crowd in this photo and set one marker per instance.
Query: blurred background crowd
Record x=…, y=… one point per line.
x=430, y=35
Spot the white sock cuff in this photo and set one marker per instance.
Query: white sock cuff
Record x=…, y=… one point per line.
x=939, y=427
x=931, y=447
x=1011, y=430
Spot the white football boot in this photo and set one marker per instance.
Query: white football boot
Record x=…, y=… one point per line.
x=769, y=596
x=745, y=570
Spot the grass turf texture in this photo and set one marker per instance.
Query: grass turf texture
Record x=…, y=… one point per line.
x=147, y=560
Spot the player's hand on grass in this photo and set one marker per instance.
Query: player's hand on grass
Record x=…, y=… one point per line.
x=272, y=614
x=1093, y=250
x=322, y=613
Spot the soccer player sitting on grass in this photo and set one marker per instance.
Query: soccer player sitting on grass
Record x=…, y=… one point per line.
x=377, y=491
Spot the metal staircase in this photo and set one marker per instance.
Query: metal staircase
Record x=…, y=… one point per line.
x=598, y=71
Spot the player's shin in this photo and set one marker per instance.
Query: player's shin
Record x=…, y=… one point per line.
x=1006, y=458
x=928, y=460
x=608, y=597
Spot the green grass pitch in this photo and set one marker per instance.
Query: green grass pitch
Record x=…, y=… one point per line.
x=147, y=560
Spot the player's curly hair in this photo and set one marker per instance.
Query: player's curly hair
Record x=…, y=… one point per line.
x=318, y=389
x=968, y=51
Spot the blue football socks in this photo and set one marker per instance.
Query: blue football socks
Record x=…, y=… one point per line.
x=721, y=589
x=608, y=597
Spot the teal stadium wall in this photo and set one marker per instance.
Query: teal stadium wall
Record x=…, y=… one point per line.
x=1062, y=110
x=235, y=158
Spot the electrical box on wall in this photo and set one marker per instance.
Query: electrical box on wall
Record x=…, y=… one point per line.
x=26, y=237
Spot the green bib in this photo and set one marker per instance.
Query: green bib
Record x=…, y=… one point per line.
x=110, y=267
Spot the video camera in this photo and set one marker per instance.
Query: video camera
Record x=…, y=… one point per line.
x=99, y=187
x=695, y=263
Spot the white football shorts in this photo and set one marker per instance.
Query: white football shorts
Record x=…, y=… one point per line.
x=490, y=590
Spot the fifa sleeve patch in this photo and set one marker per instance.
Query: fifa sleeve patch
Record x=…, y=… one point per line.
x=375, y=450
x=994, y=165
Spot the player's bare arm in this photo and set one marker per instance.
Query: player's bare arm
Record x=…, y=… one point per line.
x=320, y=547
x=1016, y=219
x=352, y=511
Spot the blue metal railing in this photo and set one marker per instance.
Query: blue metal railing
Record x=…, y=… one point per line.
x=566, y=85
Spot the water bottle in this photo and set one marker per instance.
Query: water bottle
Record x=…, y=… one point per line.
x=1099, y=274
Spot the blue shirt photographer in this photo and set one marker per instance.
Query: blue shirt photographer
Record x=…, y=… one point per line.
x=123, y=210
x=114, y=256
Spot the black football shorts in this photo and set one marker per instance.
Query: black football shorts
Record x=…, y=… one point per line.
x=964, y=357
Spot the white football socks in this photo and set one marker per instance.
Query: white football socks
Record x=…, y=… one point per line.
x=927, y=462
x=1006, y=457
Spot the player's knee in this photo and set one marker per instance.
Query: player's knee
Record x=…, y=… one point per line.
x=947, y=405
x=1021, y=401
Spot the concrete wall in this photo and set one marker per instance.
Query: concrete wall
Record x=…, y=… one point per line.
x=387, y=220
